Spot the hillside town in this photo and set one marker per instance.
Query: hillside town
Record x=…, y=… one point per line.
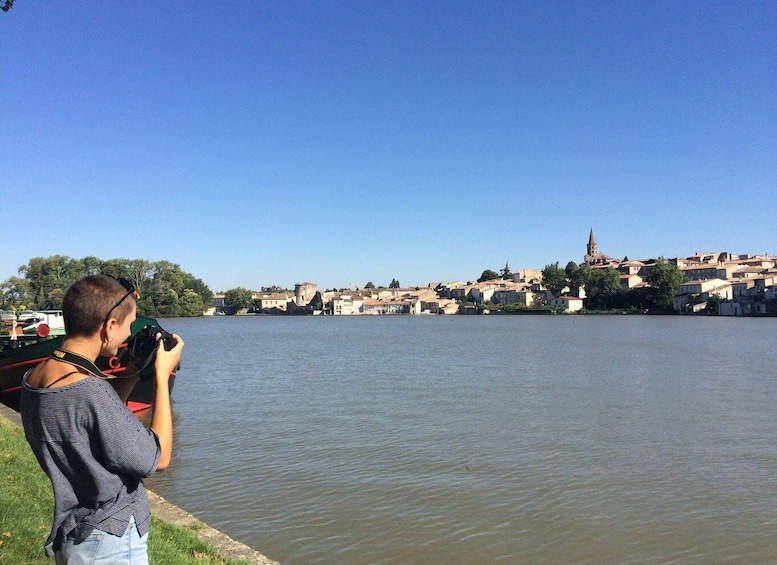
x=742, y=285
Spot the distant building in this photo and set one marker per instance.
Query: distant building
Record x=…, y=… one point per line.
x=272, y=303
x=592, y=255
x=692, y=296
x=592, y=249
x=528, y=276
x=378, y=307
x=304, y=293
x=568, y=303
x=515, y=295
x=346, y=304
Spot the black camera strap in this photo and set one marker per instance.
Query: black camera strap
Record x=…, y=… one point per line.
x=80, y=362
x=146, y=364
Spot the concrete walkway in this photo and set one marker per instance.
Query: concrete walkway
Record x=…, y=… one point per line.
x=225, y=546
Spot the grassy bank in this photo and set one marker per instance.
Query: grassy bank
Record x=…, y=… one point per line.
x=26, y=508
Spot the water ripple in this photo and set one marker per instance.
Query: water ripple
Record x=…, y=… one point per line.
x=565, y=440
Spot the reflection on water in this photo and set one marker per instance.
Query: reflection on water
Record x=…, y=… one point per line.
x=563, y=439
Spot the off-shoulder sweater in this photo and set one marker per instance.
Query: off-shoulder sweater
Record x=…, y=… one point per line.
x=96, y=453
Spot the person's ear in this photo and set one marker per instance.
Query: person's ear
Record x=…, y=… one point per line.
x=108, y=328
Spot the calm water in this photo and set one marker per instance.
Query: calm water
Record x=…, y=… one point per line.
x=514, y=439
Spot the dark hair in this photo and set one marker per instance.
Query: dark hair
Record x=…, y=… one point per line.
x=89, y=300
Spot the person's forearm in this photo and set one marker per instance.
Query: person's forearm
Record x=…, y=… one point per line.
x=162, y=419
x=162, y=422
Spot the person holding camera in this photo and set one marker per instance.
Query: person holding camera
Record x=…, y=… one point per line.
x=92, y=447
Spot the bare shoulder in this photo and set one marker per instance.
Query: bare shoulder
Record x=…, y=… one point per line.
x=54, y=375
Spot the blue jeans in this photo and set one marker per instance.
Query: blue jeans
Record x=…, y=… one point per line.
x=102, y=548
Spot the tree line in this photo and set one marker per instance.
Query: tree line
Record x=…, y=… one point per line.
x=603, y=288
x=164, y=289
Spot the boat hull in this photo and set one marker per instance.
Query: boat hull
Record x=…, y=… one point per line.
x=16, y=359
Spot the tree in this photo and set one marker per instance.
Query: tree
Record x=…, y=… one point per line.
x=237, y=298
x=140, y=272
x=155, y=294
x=577, y=276
x=116, y=268
x=603, y=288
x=269, y=289
x=190, y=304
x=554, y=278
x=369, y=285
x=394, y=283
x=665, y=279
x=202, y=290
x=713, y=305
x=169, y=304
x=15, y=291
x=6, y=5
x=50, y=274
x=488, y=275
x=91, y=266
x=162, y=285
x=506, y=273
x=572, y=272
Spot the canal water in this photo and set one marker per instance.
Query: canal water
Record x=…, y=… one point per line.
x=480, y=439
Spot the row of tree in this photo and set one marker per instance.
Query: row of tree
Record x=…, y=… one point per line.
x=393, y=284
x=603, y=288
x=489, y=275
x=237, y=298
x=164, y=289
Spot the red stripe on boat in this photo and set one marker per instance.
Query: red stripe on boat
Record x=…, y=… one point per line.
x=137, y=406
x=24, y=363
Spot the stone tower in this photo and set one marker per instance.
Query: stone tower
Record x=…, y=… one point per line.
x=592, y=250
x=304, y=293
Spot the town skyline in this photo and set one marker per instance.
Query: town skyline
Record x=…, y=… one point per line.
x=719, y=283
x=360, y=284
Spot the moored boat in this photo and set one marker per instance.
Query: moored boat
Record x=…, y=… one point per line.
x=132, y=377
x=29, y=326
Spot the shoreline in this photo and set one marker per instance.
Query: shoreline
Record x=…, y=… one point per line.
x=167, y=512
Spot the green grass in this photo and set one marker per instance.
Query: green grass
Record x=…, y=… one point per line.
x=26, y=506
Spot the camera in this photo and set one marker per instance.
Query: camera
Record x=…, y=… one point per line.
x=144, y=342
x=143, y=346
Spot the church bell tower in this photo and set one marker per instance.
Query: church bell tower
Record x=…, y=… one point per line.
x=592, y=250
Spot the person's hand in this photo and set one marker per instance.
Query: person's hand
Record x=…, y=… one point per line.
x=167, y=361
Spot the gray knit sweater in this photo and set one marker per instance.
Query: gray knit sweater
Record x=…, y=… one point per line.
x=95, y=451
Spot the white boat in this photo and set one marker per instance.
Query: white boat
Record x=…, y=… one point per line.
x=51, y=318
x=38, y=323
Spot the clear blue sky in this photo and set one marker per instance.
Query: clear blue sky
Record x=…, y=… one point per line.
x=261, y=143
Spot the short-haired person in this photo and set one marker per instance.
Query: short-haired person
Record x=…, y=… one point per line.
x=94, y=450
